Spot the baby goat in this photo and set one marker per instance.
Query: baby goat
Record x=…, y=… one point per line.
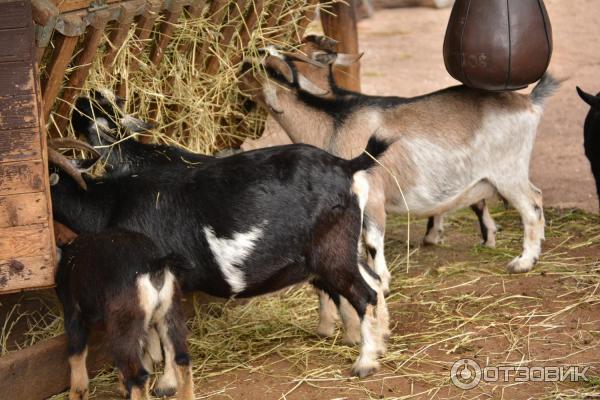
x=592, y=134
x=450, y=149
x=117, y=279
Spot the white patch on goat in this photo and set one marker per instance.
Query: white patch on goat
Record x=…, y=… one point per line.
x=102, y=123
x=230, y=254
x=360, y=187
x=147, y=296
x=327, y=315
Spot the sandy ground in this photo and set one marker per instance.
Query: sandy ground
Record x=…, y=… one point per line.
x=403, y=56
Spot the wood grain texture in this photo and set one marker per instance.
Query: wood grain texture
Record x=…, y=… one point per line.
x=16, y=78
x=21, y=177
x=42, y=370
x=18, y=112
x=13, y=15
x=14, y=44
x=61, y=57
x=24, y=241
x=235, y=12
x=83, y=64
x=20, y=273
x=20, y=145
x=118, y=34
x=23, y=209
x=165, y=31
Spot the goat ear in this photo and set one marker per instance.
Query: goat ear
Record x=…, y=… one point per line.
x=345, y=60
x=135, y=125
x=593, y=101
x=271, y=99
x=282, y=67
x=308, y=86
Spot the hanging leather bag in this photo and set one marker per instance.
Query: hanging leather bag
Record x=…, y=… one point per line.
x=498, y=44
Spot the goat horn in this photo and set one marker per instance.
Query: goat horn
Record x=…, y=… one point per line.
x=69, y=143
x=303, y=58
x=61, y=161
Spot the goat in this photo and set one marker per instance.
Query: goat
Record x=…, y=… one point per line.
x=592, y=134
x=116, y=279
x=321, y=80
x=97, y=116
x=250, y=224
x=450, y=149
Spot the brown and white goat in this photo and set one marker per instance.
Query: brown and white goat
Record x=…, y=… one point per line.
x=320, y=81
x=451, y=148
x=116, y=279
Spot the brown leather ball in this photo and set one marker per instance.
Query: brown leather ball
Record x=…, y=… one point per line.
x=498, y=44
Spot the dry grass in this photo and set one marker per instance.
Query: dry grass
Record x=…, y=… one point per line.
x=202, y=111
x=456, y=302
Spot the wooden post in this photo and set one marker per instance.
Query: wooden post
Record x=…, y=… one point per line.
x=341, y=26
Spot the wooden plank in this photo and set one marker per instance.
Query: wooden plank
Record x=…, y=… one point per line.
x=15, y=44
x=20, y=145
x=13, y=15
x=23, y=209
x=165, y=31
x=21, y=177
x=16, y=78
x=216, y=11
x=118, y=34
x=24, y=241
x=42, y=370
x=145, y=25
x=20, y=273
x=83, y=63
x=341, y=26
x=235, y=11
x=61, y=57
x=18, y=112
x=274, y=15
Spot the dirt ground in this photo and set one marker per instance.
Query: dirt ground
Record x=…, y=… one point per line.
x=403, y=56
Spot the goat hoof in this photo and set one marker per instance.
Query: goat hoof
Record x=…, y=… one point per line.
x=489, y=244
x=351, y=340
x=432, y=241
x=164, y=392
x=325, y=331
x=520, y=265
x=364, y=369
x=78, y=394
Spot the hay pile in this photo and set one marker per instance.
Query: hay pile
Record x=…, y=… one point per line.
x=201, y=110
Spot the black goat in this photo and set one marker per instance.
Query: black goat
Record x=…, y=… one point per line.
x=251, y=223
x=117, y=279
x=97, y=118
x=591, y=134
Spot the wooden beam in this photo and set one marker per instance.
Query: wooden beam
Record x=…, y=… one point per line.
x=42, y=370
x=235, y=12
x=83, y=64
x=165, y=31
x=216, y=11
x=118, y=34
x=341, y=26
x=61, y=57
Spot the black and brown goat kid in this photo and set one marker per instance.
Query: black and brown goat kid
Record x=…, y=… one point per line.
x=117, y=280
x=250, y=224
x=591, y=134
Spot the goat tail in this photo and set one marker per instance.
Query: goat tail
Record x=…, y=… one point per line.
x=544, y=89
x=374, y=150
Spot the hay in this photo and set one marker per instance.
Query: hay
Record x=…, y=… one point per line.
x=457, y=301
x=202, y=111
